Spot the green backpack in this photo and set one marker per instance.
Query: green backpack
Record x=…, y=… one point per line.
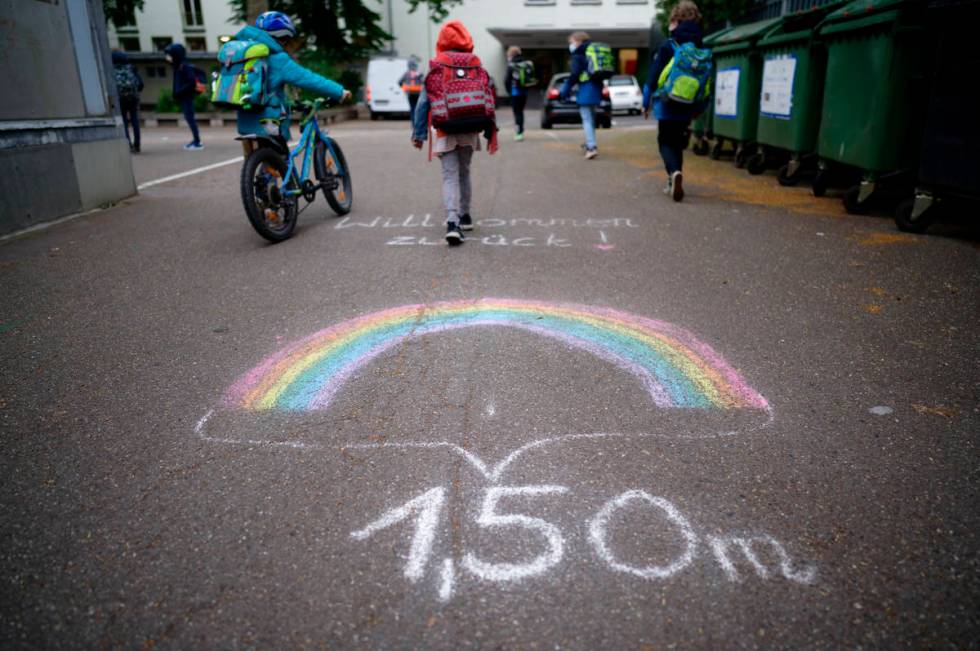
x=242, y=82
x=525, y=74
x=600, y=61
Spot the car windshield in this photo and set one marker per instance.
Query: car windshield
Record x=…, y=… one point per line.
x=621, y=81
x=558, y=81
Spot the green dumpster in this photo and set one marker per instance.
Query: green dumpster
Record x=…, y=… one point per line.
x=793, y=67
x=701, y=126
x=874, y=94
x=737, y=79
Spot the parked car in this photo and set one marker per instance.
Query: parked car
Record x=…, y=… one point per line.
x=382, y=93
x=556, y=111
x=626, y=94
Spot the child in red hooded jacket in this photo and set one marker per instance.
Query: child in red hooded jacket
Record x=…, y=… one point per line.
x=455, y=150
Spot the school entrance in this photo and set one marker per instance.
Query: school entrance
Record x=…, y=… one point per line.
x=548, y=49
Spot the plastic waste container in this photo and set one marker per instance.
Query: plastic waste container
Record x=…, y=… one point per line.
x=793, y=67
x=701, y=127
x=874, y=94
x=949, y=169
x=737, y=79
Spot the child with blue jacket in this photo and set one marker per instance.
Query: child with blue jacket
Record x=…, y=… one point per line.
x=589, y=94
x=274, y=29
x=673, y=119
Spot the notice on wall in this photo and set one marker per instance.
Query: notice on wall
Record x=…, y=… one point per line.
x=726, y=93
x=777, y=86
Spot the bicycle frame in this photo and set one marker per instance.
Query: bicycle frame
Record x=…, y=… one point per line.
x=306, y=147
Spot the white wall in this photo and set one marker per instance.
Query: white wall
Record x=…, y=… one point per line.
x=164, y=18
x=415, y=34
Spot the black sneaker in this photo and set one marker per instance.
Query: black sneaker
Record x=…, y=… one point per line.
x=454, y=236
x=466, y=222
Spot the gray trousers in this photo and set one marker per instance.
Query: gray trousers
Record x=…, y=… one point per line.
x=456, y=187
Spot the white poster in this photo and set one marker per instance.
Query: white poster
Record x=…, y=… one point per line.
x=777, y=86
x=726, y=93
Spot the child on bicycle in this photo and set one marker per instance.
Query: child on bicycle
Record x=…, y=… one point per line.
x=275, y=30
x=457, y=103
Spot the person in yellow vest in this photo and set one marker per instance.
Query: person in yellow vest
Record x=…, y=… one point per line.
x=411, y=84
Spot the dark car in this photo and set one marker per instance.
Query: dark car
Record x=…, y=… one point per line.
x=556, y=111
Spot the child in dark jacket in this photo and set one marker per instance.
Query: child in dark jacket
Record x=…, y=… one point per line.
x=185, y=90
x=129, y=85
x=673, y=119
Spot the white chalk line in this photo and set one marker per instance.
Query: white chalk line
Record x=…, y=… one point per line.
x=492, y=473
x=196, y=170
x=447, y=579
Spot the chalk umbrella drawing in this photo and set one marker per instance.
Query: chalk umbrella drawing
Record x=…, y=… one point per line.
x=676, y=369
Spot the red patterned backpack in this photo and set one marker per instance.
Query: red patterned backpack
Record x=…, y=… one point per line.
x=460, y=94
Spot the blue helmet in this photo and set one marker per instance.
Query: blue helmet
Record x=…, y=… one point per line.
x=277, y=24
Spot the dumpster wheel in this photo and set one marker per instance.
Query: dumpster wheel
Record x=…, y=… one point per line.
x=756, y=164
x=741, y=157
x=786, y=179
x=905, y=221
x=820, y=183
x=853, y=204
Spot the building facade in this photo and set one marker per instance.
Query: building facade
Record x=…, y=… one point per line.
x=62, y=145
x=539, y=27
x=200, y=25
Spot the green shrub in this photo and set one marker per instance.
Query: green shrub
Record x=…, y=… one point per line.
x=166, y=103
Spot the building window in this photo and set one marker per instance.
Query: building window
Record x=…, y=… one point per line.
x=193, y=16
x=586, y=2
x=196, y=44
x=129, y=43
x=539, y=3
x=160, y=43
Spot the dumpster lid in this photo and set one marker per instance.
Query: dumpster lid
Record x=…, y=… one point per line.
x=746, y=33
x=713, y=37
x=800, y=25
x=863, y=12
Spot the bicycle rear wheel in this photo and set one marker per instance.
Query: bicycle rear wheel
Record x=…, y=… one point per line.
x=333, y=173
x=271, y=213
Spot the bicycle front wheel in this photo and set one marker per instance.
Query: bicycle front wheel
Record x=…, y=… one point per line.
x=334, y=175
x=272, y=214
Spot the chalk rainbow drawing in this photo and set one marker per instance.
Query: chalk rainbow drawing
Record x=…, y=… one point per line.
x=676, y=369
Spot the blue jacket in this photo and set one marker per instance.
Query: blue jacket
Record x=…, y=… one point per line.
x=283, y=70
x=420, y=121
x=589, y=92
x=687, y=32
x=185, y=78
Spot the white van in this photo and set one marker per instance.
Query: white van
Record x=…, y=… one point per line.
x=383, y=94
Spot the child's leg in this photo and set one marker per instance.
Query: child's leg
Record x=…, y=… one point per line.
x=670, y=137
x=450, y=185
x=465, y=155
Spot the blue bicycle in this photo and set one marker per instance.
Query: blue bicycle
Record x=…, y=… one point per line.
x=273, y=184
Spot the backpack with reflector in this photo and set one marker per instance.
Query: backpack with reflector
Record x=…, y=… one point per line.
x=687, y=78
x=599, y=57
x=242, y=81
x=526, y=75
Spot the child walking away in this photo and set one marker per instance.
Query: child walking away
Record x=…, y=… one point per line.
x=520, y=76
x=129, y=85
x=458, y=104
x=185, y=89
x=679, y=86
x=411, y=85
x=592, y=64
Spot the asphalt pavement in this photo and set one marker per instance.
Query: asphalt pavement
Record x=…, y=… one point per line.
x=607, y=421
